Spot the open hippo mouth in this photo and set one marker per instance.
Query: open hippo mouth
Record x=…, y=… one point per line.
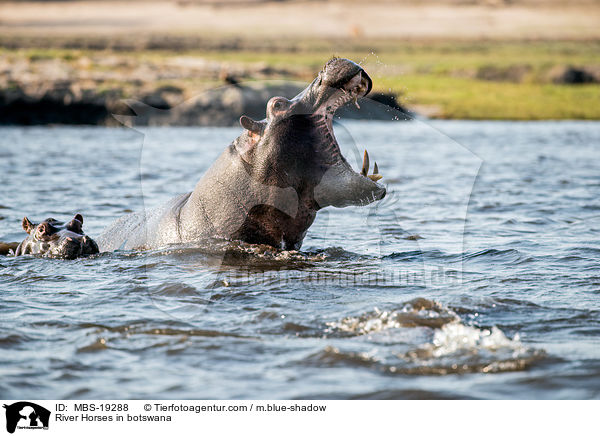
x=280, y=143
x=340, y=82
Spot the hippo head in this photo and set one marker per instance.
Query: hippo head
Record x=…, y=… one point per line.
x=294, y=146
x=53, y=238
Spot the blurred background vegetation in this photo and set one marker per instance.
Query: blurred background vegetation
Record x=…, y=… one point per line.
x=490, y=59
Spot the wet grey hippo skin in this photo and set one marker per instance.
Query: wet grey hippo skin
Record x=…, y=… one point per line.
x=268, y=185
x=52, y=238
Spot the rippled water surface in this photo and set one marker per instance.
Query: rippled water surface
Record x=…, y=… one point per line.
x=478, y=276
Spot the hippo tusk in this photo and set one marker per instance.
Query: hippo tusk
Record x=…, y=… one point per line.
x=375, y=176
x=365, y=165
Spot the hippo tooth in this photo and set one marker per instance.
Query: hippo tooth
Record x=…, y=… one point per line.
x=365, y=165
x=356, y=102
x=375, y=176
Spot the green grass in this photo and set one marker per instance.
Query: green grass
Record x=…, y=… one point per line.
x=476, y=99
x=439, y=74
x=444, y=75
x=435, y=56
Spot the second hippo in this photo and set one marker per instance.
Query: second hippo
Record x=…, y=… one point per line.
x=52, y=238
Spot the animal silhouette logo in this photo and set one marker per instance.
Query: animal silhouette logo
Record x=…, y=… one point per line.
x=26, y=415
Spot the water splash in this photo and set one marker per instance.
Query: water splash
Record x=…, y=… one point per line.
x=449, y=346
x=419, y=312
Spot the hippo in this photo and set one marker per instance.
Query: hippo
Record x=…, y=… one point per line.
x=269, y=183
x=52, y=238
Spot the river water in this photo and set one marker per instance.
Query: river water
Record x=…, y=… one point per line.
x=478, y=276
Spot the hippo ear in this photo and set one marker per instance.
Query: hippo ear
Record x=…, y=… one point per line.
x=27, y=225
x=79, y=218
x=252, y=126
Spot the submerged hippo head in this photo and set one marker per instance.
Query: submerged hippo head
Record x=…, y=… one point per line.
x=294, y=146
x=53, y=238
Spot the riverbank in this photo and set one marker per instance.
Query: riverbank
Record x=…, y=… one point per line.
x=462, y=80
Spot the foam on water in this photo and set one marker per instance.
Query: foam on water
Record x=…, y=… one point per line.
x=417, y=312
x=450, y=346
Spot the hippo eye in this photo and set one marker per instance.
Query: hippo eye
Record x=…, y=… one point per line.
x=278, y=104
